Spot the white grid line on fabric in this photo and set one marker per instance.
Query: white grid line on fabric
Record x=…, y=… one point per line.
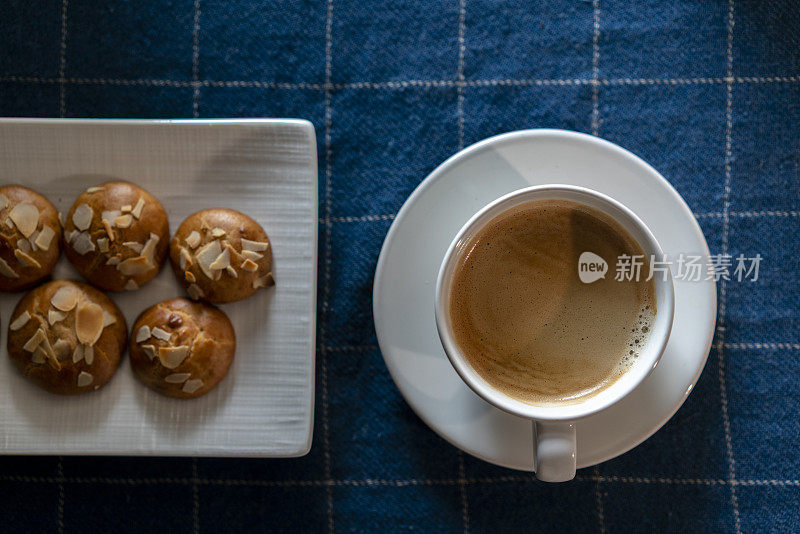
x=195, y=499
x=61, y=496
x=196, y=61
x=462, y=23
x=362, y=218
x=62, y=111
x=596, y=132
x=598, y=501
x=195, y=114
x=707, y=215
x=62, y=62
x=723, y=389
x=511, y=479
x=596, y=68
x=760, y=213
x=327, y=262
x=399, y=84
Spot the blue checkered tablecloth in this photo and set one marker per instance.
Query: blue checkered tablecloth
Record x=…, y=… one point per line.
x=706, y=91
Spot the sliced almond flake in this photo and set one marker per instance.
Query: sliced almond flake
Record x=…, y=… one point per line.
x=26, y=259
x=32, y=241
x=149, y=350
x=82, y=243
x=102, y=244
x=123, y=221
x=264, y=281
x=126, y=208
x=20, y=321
x=114, y=260
x=217, y=232
x=250, y=266
x=78, y=353
x=6, y=270
x=47, y=347
x=149, y=249
x=88, y=354
x=195, y=292
x=134, y=246
x=231, y=272
x=66, y=298
x=3, y=202
x=143, y=334
x=137, y=209
x=23, y=245
x=254, y=246
x=89, y=322
x=82, y=217
x=54, y=316
x=61, y=219
x=26, y=217
x=193, y=240
x=110, y=215
x=38, y=356
x=44, y=238
x=186, y=258
x=177, y=378
x=69, y=236
x=223, y=261
x=61, y=348
x=109, y=230
x=172, y=357
x=206, y=256
x=9, y=223
x=190, y=386
x=158, y=333
x=35, y=340
x=108, y=319
x=235, y=256
x=251, y=255
x=134, y=266
x=189, y=277
x=84, y=379
x=130, y=285
x=96, y=189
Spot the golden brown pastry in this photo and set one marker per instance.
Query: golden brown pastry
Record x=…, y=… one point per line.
x=221, y=255
x=117, y=235
x=30, y=238
x=181, y=348
x=67, y=337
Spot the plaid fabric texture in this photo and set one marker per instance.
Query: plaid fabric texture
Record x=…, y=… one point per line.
x=706, y=91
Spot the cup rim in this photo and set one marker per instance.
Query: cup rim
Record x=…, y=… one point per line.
x=647, y=359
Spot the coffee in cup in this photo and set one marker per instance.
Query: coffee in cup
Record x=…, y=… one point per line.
x=527, y=323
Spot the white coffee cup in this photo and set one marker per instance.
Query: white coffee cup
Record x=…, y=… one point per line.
x=554, y=426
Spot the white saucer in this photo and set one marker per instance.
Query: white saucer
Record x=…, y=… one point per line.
x=415, y=245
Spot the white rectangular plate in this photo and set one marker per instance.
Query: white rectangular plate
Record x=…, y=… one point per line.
x=264, y=168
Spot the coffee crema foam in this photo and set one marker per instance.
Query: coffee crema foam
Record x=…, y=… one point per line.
x=524, y=320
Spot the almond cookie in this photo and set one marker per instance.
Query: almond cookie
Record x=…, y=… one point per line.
x=117, y=235
x=182, y=349
x=30, y=238
x=67, y=337
x=221, y=255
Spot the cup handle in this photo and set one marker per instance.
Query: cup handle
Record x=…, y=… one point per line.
x=554, y=451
